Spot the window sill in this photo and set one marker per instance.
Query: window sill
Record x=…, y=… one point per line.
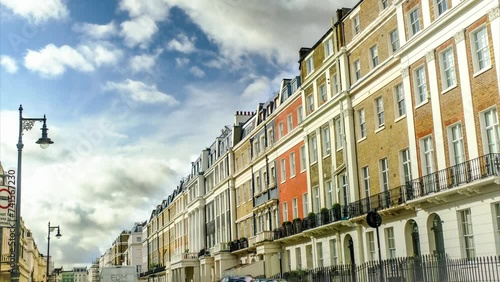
x=400, y=118
x=478, y=73
x=448, y=89
x=362, y=139
x=421, y=104
x=326, y=156
x=382, y=127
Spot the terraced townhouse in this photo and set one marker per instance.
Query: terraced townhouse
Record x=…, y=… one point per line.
x=395, y=110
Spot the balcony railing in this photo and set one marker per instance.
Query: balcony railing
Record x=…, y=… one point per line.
x=239, y=244
x=184, y=256
x=221, y=247
x=264, y=236
x=443, y=180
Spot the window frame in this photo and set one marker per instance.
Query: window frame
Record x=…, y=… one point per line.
x=447, y=67
x=356, y=26
x=339, y=143
x=325, y=141
x=421, y=95
x=357, y=70
x=322, y=93
x=289, y=122
x=283, y=170
x=313, y=149
x=480, y=53
x=293, y=167
x=362, y=123
x=394, y=40
x=414, y=26
x=309, y=64
x=328, y=47
x=399, y=98
x=384, y=175
x=379, y=112
x=303, y=158
x=438, y=7
x=374, y=59
x=488, y=116
x=467, y=233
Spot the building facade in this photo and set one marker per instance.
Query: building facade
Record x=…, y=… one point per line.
x=395, y=111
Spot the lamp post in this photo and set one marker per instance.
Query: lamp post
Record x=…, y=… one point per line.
x=44, y=142
x=58, y=235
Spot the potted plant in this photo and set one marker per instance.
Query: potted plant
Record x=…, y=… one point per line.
x=325, y=218
x=336, y=211
x=287, y=225
x=311, y=220
x=297, y=225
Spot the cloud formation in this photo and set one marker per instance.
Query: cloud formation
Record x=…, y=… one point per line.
x=52, y=61
x=96, y=31
x=8, y=63
x=37, y=11
x=139, y=92
x=182, y=44
x=140, y=29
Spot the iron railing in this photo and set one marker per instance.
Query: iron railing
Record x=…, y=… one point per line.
x=408, y=269
x=443, y=180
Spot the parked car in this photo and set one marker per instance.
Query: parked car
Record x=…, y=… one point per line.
x=268, y=280
x=237, y=279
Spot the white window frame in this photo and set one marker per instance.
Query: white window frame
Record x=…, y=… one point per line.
x=289, y=122
x=281, y=130
x=480, y=49
x=357, y=70
x=404, y=156
x=319, y=254
x=447, y=63
x=329, y=194
x=285, y=212
x=441, y=6
x=391, y=243
x=384, y=4
x=335, y=79
x=456, y=144
x=300, y=114
x=490, y=131
x=309, y=64
x=467, y=233
x=316, y=203
x=356, y=29
x=339, y=144
x=496, y=214
x=365, y=174
x=394, y=40
x=370, y=242
x=303, y=159
x=384, y=175
x=323, y=95
x=328, y=47
x=344, y=184
x=310, y=103
x=325, y=136
x=305, y=205
x=374, y=59
x=420, y=85
x=399, y=97
x=293, y=167
x=295, y=208
x=427, y=149
x=298, y=258
x=283, y=170
x=379, y=112
x=313, y=149
x=270, y=136
x=333, y=252
x=414, y=23
x=362, y=123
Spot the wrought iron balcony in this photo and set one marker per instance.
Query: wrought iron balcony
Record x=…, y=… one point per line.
x=440, y=181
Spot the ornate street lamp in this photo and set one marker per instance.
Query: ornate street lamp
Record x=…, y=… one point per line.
x=44, y=142
x=58, y=235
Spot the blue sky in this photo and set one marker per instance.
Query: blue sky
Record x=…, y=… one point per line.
x=133, y=91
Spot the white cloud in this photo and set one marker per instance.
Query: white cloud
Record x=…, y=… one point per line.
x=8, y=63
x=140, y=92
x=37, y=11
x=96, y=31
x=138, y=31
x=182, y=44
x=143, y=63
x=273, y=29
x=52, y=61
x=157, y=10
x=196, y=71
x=258, y=91
x=180, y=62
